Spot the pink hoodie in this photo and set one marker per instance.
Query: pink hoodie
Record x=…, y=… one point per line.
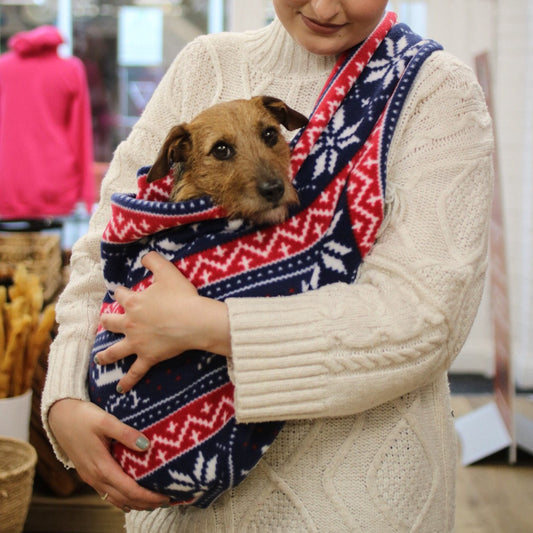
x=46, y=150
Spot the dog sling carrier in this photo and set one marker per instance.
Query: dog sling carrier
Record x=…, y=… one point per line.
x=185, y=405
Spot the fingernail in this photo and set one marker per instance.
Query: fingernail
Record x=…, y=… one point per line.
x=142, y=443
x=96, y=360
x=120, y=390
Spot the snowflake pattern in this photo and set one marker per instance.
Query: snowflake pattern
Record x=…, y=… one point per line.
x=196, y=483
x=332, y=257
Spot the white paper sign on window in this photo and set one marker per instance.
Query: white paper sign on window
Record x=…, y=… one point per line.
x=140, y=36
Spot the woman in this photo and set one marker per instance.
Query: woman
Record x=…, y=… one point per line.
x=357, y=371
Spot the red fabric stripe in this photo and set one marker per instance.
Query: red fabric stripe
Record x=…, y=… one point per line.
x=179, y=432
x=333, y=95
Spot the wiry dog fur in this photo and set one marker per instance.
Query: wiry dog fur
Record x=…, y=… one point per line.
x=235, y=153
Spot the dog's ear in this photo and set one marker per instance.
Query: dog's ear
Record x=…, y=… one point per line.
x=290, y=118
x=175, y=149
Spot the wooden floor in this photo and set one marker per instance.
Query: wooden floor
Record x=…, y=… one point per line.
x=492, y=497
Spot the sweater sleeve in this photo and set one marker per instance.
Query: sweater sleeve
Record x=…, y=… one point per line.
x=343, y=349
x=78, y=308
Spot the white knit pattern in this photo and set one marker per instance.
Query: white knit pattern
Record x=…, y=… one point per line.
x=359, y=371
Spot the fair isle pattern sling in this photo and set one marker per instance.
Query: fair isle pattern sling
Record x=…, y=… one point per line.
x=185, y=405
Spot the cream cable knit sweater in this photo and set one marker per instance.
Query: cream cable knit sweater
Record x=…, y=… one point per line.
x=359, y=371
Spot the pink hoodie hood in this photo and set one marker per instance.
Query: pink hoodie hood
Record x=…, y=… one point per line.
x=33, y=42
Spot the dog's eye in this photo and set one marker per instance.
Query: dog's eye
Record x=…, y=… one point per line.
x=270, y=136
x=222, y=151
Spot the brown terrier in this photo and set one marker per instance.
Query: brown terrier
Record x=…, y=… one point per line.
x=235, y=153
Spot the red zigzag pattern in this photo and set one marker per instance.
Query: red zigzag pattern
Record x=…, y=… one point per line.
x=179, y=432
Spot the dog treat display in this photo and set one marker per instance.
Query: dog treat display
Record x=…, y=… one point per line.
x=185, y=405
x=24, y=331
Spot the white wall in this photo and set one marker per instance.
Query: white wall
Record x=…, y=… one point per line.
x=464, y=27
x=514, y=119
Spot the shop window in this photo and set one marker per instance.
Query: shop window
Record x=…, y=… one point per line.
x=126, y=46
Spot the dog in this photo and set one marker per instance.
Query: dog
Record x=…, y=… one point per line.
x=235, y=153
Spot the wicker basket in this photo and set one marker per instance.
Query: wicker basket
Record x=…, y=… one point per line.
x=17, y=468
x=40, y=253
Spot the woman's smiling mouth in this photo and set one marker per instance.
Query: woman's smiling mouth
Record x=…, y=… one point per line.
x=321, y=28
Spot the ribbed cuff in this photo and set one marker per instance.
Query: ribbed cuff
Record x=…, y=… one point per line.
x=278, y=349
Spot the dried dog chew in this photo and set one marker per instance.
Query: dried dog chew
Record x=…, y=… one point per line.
x=24, y=332
x=12, y=367
x=27, y=287
x=38, y=341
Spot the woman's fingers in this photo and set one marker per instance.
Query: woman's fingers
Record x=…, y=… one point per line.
x=167, y=274
x=130, y=437
x=117, y=351
x=116, y=323
x=113, y=322
x=157, y=264
x=162, y=321
x=136, y=372
x=84, y=432
x=122, y=490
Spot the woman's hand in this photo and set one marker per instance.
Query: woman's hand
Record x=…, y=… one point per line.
x=166, y=319
x=84, y=432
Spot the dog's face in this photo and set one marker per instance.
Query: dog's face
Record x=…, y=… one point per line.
x=235, y=153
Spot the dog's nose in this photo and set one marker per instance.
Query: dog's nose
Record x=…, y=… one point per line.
x=271, y=189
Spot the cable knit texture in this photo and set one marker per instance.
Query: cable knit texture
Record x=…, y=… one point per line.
x=357, y=371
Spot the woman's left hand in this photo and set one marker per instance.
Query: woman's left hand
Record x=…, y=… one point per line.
x=164, y=320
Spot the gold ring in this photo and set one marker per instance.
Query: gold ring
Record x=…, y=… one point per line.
x=104, y=496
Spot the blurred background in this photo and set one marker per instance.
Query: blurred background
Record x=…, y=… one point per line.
x=126, y=46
